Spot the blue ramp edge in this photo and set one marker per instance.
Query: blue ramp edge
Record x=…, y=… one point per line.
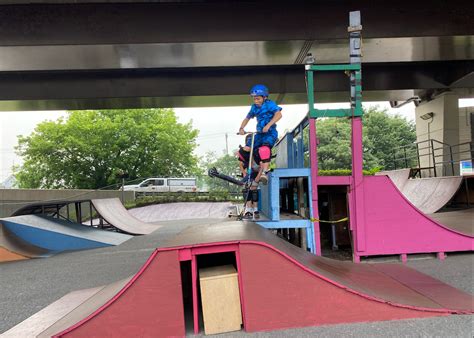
x=51, y=240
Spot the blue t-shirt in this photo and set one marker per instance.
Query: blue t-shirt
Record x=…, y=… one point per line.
x=264, y=114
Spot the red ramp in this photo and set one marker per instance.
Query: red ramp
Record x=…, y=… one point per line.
x=281, y=286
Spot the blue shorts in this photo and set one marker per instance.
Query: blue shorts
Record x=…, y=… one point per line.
x=261, y=139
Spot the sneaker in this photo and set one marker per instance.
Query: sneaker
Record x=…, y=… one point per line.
x=264, y=179
x=247, y=215
x=256, y=214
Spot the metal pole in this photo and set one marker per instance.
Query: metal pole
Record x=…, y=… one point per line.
x=334, y=242
x=405, y=155
x=418, y=158
x=122, y=194
x=452, y=160
x=226, y=144
x=467, y=192
x=434, y=157
x=78, y=213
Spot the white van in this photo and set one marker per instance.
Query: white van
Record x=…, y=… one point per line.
x=159, y=184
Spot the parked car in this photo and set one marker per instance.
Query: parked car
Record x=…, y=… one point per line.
x=159, y=184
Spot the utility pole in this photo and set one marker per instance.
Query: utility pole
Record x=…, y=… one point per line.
x=226, y=145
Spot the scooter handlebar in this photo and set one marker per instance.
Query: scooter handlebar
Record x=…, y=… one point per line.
x=249, y=132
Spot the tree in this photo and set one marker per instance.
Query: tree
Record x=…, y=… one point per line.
x=382, y=133
x=88, y=148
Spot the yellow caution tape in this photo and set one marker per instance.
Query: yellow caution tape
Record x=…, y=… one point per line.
x=320, y=220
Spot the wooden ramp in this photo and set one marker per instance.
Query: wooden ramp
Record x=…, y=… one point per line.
x=113, y=211
x=427, y=194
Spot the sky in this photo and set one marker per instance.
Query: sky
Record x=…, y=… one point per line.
x=213, y=125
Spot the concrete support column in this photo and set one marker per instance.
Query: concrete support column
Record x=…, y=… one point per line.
x=438, y=120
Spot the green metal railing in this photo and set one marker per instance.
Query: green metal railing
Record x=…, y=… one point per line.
x=356, y=110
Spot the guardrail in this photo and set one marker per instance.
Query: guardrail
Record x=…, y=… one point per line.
x=410, y=156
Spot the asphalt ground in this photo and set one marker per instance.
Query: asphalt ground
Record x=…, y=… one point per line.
x=28, y=286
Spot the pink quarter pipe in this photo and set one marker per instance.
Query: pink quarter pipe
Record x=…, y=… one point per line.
x=392, y=225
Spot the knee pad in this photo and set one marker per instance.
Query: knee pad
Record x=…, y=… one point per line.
x=265, y=153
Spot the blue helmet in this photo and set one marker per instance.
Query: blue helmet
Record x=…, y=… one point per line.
x=259, y=90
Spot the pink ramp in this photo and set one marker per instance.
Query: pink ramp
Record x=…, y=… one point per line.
x=281, y=286
x=427, y=194
x=113, y=211
x=394, y=226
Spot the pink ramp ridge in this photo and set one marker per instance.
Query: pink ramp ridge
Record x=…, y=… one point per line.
x=282, y=287
x=394, y=226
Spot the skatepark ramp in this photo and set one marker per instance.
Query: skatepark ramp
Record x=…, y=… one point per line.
x=113, y=211
x=427, y=194
x=41, y=236
x=459, y=220
x=281, y=286
x=13, y=248
x=392, y=225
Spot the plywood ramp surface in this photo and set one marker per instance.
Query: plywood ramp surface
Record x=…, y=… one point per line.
x=427, y=194
x=461, y=220
x=113, y=211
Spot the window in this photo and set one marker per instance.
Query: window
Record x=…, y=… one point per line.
x=146, y=183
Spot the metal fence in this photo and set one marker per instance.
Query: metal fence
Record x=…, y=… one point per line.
x=442, y=158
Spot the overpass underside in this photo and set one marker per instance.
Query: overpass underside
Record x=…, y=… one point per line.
x=86, y=54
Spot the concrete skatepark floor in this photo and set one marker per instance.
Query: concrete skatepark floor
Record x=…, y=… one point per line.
x=28, y=286
x=184, y=210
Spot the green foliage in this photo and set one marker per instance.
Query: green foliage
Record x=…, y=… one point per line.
x=226, y=164
x=382, y=133
x=87, y=149
x=347, y=172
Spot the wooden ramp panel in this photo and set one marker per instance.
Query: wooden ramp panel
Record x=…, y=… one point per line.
x=113, y=211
